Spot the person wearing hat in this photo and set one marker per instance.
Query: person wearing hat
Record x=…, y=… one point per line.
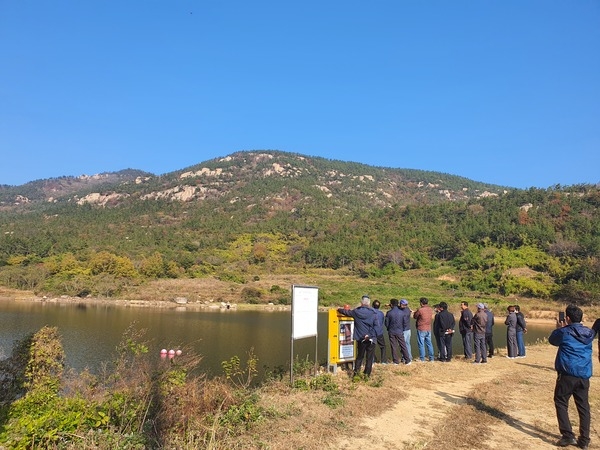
x=365, y=323
x=479, y=326
x=406, y=313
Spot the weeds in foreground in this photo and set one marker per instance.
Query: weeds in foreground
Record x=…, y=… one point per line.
x=135, y=403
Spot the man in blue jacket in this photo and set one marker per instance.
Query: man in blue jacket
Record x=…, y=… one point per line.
x=574, y=366
x=365, y=322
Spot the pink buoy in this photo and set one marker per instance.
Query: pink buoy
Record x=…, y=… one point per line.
x=178, y=352
x=171, y=353
x=163, y=353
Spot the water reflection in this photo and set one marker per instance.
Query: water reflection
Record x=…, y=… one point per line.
x=91, y=332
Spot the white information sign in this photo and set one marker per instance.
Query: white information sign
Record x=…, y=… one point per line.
x=305, y=307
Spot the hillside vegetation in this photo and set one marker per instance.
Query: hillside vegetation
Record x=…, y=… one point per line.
x=250, y=214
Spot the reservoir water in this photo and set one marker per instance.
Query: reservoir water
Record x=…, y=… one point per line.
x=91, y=332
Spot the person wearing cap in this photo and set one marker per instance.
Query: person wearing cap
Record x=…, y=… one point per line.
x=393, y=323
x=423, y=317
x=365, y=322
x=465, y=327
x=446, y=324
x=479, y=326
x=406, y=313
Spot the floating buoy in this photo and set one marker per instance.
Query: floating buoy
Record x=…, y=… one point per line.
x=178, y=352
x=171, y=353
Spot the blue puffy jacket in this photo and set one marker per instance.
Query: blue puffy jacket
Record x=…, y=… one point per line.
x=574, y=356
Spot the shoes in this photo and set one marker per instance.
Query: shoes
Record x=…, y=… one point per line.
x=566, y=441
x=583, y=446
x=408, y=363
x=484, y=361
x=511, y=357
x=476, y=362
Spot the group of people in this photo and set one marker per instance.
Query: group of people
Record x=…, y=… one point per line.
x=475, y=329
x=573, y=362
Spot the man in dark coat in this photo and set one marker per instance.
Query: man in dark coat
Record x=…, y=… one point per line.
x=393, y=323
x=365, y=323
x=445, y=324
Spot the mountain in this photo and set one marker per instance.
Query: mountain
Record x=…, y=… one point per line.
x=252, y=213
x=278, y=178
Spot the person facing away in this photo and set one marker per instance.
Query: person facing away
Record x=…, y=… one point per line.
x=489, y=332
x=511, y=333
x=521, y=330
x=365, y=322
x=446, y=324
x=379, y=331
x=406, y=313
x=479, y=327
x=573, y=365
x=423, y=317
x=436, y=328
x=465, y=327
x=393, y=323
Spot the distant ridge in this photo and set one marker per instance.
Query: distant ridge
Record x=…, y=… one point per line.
x=232, y=175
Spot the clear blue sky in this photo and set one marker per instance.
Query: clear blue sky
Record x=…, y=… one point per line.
x=504, y=92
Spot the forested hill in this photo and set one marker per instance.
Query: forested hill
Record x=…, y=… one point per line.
x=271, y=176
x=254, y=212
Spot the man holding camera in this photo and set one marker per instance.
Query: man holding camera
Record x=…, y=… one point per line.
x=574, y=366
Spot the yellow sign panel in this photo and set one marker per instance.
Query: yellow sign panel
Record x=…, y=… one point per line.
x=341, y=345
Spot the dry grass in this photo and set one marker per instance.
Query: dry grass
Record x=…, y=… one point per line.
x=504, y=404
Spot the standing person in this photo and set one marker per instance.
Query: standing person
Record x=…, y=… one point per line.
x=574, y=367
x=436, y=328
x=479, y=326
x=423, y=317
x=393, y=323
x=465, y=327
x=521, y=330
x=446, y=324
x=596, y=329
x=405, y=311
x=511, y=333
x=379, y=331
x=365, y=321
x=489, y=332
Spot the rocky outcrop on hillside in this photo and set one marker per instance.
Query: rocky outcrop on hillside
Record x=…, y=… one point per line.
x=257, y=177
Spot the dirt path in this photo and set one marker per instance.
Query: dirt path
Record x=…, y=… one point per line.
x=435, y=392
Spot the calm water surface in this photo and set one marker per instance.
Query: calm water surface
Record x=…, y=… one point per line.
x=91, y=332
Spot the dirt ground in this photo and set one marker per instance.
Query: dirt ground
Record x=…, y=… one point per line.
x=506, y=403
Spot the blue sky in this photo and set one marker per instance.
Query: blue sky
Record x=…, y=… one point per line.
x=504, y=92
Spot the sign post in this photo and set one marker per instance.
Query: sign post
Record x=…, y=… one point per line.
x=305, y=308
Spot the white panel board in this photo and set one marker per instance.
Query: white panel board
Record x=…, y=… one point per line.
x=305, y=307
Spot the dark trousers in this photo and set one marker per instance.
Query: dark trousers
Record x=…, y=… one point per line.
x=489, y=341
x=446, y=347
x=567, y=386
x=381, y=345
x=467, y=339
x=397, y=342
x=364, y=348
